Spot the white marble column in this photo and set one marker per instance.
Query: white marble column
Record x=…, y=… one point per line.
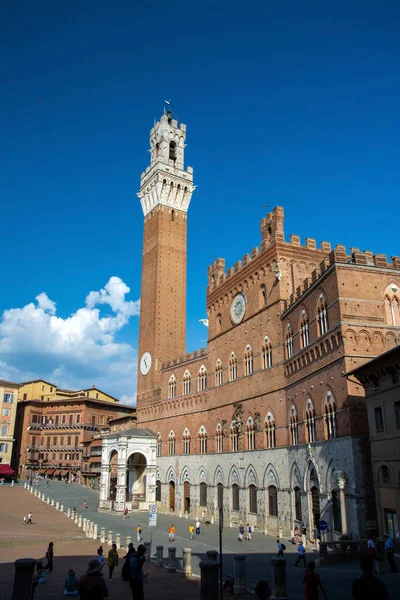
x=342, y=480
x=104, y=485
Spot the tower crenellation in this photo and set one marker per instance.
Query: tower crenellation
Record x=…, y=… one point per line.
x=165, y=181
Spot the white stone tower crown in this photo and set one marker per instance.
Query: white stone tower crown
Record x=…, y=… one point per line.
x=165, y=181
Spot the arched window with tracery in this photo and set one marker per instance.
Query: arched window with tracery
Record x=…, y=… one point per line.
x=171, y=443
x=267, y=353
x=233, y=367
x=322, y=315
x=159, y=445
x=248, y=360
x=219, y=437
x=392, y=304
x=186, y=383
x=289, y=341
x=218, y=373
x=263, y=295
x=203, y=440
x=294, y=426
x=310, y=421
x=251, y=434
x=172, y=387
x=235, y=436
x=270, y=430
x=330, y=416
x=304, y=329
x=202, y=381
x=186, y=441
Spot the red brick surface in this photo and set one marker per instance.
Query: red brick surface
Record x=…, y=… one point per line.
x=71, y=550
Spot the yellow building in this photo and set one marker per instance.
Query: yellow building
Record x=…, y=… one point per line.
x=39, y=389
x=8, y=411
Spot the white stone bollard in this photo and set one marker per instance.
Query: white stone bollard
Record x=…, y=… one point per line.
x=57, y=506
x=109, y=539
x=239, y=574
x=95, y=527
x=79, y=520
x=102, y=535
x=187, y=562
x=12, y=483
x=279, y=587
x=209, y=589
x=48, y=500
x=25, y=485
x=68, y=512
x=76, y=518
x=128, y=541
x=52, y=501
x=118, y=540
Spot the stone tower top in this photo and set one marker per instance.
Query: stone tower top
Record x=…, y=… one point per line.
x=165, y=181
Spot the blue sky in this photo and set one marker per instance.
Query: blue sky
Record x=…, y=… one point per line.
x=292, y=104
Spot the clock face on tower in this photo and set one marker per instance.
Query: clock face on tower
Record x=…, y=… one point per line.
x=145, y=363
x=238, y=308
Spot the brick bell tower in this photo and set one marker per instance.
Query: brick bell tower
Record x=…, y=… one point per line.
x=165, y=192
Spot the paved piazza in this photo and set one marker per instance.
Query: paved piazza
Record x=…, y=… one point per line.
x=259, y=552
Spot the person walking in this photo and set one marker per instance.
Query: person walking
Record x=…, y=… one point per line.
x=171, y=533
x=125, y=571
x=312, y=582
x=372, y=553
x=389, y=551
x=368, y=586
x=100, y=556
x=125, y=513
x=84, y=505
x=296, y=536
x=198, y=525
x=24, y=520
x=249, y=532
x=241, y=532
x=49, y=557
x=139, y=533
x=29, y=521
x=92, y=584
x=203, y=516
x=301, y=555
x=136, y=573
x=281, y=548
x=191, y=531
x=112, y=561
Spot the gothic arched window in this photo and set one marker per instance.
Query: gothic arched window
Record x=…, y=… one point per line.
x=304, y=329
x=186, y=383
x=203, y=440
x=310, y=421
x=270, y=430
x=322, y=310
x=251, y=434
x=172, y=387
x=330, y=416
x=218, y=373
x=186, y=441
x=171, y=443
x=235, y=436
x=289, y=341
x=202, y=381
x=267, y=353
x=248, y=360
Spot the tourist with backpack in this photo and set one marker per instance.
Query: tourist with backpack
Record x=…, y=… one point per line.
x=241, y=532
x=281, y=548
x=249, y=532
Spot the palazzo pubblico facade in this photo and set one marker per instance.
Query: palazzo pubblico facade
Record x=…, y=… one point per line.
x=263, y=421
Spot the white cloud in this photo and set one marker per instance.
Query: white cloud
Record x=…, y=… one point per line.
x=74, y=352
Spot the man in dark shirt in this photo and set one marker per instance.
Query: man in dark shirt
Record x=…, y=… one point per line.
x=369, y=587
